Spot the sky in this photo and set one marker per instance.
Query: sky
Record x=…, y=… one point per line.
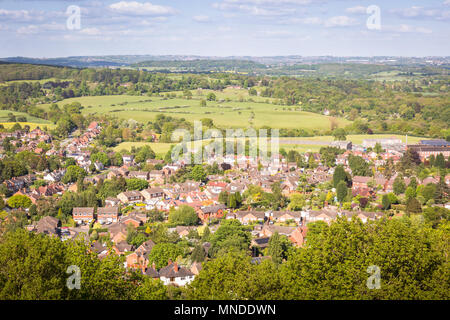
x=224, y=27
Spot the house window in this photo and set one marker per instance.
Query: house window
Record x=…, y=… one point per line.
x=172, y=279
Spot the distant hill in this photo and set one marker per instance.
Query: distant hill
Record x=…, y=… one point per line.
x=79, y=62
x=19, y=71
x=375, y=68
x=273, y=61
x=203, y=65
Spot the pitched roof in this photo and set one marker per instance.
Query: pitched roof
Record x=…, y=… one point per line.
x=329, y=213
x=280, y=229
x=130, y=194
x=147, y=245
x=87, y=210
x=257, y=214
x=295, y=214
x=108, y=210
x=123, y=245
x=117, y=227
x=213, y=209
x=170, y=272
x=150, y=272
x=47, y=225
x=153, y=190
x=261, y=242
x=360, y=179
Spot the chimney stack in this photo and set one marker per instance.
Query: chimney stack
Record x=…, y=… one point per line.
x=170, y=262
x=175, y=267
x=154, y=265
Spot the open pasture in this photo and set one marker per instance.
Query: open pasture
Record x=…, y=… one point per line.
x=4, y=119
x=229, y=111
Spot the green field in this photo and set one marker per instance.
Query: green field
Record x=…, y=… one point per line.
x=358, y=139
x=5, y=119
x=162, y=148
x=32, y=125
x=159, y=148
x=232, y=113
x=301, y=148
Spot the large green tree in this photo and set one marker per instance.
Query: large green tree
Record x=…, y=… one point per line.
x=339, y=175
x=162, y=252
x=411, y=259
x=230, y=235
x=73, y=173
x=341, y=191
x=183, y=216
x=35, y=267
x=19, y=201
x=232, y=276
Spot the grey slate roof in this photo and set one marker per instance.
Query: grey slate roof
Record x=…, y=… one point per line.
x=169, y=272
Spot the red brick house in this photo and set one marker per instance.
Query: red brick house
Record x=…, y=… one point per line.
x=215, y=212
x=298, y=236
x=83, y=215
x=108, y=214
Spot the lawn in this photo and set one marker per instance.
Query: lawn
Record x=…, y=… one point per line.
x=230, y=113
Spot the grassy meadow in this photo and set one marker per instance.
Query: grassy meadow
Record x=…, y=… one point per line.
x=33, y=122
x=232, y=109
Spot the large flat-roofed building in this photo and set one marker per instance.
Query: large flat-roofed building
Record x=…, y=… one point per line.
x=435, y=143
x=426, y=151
x=384, y=142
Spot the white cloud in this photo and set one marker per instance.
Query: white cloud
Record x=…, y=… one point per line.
x=255, y=10
x=224, y=29
x=141, y=9
x=406, y=28
x=271, y=2
x=416, y=12
x=423, y=30
x=311, y=20
x=340, y=21
x=411, y=29
x=90, y=31
x=31, y=29
x=277, y=33
x=357, y=10
x=262, y=8
x=202, y=18
x=16, y=15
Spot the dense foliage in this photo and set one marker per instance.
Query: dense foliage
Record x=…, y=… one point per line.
x=412, y=257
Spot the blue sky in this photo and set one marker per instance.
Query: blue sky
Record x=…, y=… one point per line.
x=225, y=28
